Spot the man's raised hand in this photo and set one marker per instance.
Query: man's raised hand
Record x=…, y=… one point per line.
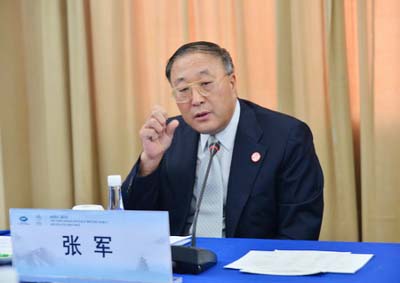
x=156, y=136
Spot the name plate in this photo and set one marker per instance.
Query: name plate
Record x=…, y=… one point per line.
x=91, y=246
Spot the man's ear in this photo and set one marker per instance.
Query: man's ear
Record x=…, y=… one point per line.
x=232, y=81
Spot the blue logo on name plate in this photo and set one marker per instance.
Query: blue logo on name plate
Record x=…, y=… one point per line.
x=23, y=218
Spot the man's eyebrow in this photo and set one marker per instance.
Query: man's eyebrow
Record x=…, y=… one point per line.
x=202, y=72
x=178, y=80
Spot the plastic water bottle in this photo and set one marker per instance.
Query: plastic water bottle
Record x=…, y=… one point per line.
x=114, y=193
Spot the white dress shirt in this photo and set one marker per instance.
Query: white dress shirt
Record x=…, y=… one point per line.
x=227, y=139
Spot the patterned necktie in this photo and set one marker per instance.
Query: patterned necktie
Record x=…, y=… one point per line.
x=209, y=222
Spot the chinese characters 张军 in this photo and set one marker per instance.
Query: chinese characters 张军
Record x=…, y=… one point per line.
x=72, y=245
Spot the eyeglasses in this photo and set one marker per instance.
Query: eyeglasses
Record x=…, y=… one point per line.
x=205, y=87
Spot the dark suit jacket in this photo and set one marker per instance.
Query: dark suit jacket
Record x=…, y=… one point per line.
x=280, y=196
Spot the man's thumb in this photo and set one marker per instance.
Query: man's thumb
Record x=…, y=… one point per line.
x=171, y=127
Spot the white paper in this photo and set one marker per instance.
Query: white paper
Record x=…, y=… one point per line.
x=5, y=245
x=179, y=240
x=5, y=250
x=294, y=262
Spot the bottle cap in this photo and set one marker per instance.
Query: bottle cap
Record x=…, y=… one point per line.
x=114, y=180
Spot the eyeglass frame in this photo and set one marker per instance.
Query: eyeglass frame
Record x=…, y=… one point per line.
x=200, y=89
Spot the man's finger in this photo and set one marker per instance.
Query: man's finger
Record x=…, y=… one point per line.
x=159, y=114
x=171, y=127
x=149, y=134
x=153, y=123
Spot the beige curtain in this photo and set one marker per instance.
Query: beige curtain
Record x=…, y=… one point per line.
x=79, y=77
x=312, y=85
x=379, y=68
x=3, y=216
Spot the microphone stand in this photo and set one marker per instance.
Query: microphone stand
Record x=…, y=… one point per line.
x=191, y=259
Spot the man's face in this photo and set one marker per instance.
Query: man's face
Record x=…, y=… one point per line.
x=206, y=114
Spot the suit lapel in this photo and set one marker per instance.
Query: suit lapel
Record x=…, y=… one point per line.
x=243, y=170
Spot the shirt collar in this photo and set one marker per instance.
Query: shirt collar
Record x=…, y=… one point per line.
x=227, y=136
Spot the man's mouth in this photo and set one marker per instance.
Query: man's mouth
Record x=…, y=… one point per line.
x=201, y=115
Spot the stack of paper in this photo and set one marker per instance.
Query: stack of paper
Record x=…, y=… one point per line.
x=179, y=240
x=299, y=262
x=5, y=250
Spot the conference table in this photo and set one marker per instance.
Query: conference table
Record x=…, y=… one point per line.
x=383, y=267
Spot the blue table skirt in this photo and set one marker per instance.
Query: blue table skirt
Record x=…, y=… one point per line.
x=4, y=232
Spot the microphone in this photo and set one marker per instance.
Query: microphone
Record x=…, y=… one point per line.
x=191, y=259
x=213, y=148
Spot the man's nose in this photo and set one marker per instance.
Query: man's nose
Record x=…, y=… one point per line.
x=197, y=97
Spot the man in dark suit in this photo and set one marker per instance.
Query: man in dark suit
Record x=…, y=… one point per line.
x=271, y=182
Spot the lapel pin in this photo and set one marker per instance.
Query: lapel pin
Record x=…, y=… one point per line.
x=255, y=157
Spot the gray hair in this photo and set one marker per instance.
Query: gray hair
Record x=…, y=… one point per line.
x=201, y=47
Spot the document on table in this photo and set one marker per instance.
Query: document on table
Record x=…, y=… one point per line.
x=179, y=240
x=5, y=249
x=299, y=262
